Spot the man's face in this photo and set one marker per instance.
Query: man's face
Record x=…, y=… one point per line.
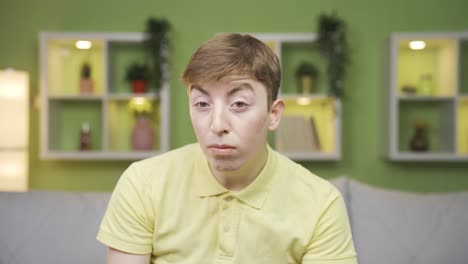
x=231, y=121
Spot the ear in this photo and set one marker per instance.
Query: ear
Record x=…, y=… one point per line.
x=276, y=111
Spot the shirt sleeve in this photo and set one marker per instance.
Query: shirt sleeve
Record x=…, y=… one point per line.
x=128, y=223
x=332, y=241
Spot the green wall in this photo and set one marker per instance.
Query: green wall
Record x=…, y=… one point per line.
x=369, y=22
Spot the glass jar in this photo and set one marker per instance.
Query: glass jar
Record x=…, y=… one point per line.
x=426, y=85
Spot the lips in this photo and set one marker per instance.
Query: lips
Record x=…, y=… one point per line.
x=221, y=149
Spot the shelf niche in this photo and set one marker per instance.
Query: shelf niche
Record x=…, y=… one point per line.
x=105, y=109
x=443, y=56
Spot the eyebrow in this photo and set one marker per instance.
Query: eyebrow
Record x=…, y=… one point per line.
x=240, y=87
x=237, y=88
x=199, y=88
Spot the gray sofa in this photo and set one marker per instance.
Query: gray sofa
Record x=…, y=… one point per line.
x=51, y=227
x=388, y=226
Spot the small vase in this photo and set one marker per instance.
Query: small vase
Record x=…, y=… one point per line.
x=139, y=86
x=142, y=134
x=86, y=86
x=86, y=82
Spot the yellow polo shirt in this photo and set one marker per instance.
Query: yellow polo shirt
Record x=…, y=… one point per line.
x=173, y=207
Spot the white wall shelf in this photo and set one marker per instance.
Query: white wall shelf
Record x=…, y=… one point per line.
x=64, y=109
x=441, y=103
x=311, y=126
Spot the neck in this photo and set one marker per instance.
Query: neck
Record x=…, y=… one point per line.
x=241, y=178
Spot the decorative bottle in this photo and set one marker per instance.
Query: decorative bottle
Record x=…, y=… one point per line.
x=85, y=137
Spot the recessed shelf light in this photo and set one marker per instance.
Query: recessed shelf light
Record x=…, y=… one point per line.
x=83, y=44
x=417, y=45
x=303, y=101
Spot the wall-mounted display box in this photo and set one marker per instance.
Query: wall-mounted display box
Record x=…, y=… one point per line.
x=84, y=88
x=426, y=106
x=310, y=128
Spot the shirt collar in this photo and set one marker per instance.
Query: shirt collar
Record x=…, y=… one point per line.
x=254, y=194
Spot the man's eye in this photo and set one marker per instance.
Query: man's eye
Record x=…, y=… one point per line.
x=201, y=104
x=240, y=104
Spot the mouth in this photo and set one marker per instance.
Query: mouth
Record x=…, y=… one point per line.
x=221, y=149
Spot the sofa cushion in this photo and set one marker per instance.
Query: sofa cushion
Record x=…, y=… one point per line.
x=51, y=227
x=400, y=227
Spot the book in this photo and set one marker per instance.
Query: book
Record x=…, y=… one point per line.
x=298, y=133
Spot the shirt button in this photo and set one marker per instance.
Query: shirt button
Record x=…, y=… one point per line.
x=225, y=206
x=227, y=228
x=228, y=198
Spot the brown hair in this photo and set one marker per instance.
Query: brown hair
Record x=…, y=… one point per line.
x=235, y=54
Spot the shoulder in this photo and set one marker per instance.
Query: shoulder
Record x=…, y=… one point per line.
x=305, y=197
x=307, y=187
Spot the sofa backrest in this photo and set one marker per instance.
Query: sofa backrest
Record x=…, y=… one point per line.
x=388, y=226
x=396, y=227
x=51, y=227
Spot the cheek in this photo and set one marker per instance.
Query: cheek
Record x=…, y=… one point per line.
x=196, y=123
x=201, y=125
x=255, y=127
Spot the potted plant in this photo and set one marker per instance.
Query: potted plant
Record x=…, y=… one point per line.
x=138, y=75
x=86, y=83
x=306, y=76
x=156, y=43
x=333, y=46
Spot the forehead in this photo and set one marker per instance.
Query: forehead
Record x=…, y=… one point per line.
x=227, y=84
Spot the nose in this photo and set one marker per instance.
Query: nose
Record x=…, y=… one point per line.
x=219, y=122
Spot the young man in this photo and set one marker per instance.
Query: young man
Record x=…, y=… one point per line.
x=229, y=198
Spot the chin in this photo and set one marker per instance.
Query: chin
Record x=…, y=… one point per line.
x=225, y=168
x=225, y=165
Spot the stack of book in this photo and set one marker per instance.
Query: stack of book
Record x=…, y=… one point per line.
x=298, y=133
